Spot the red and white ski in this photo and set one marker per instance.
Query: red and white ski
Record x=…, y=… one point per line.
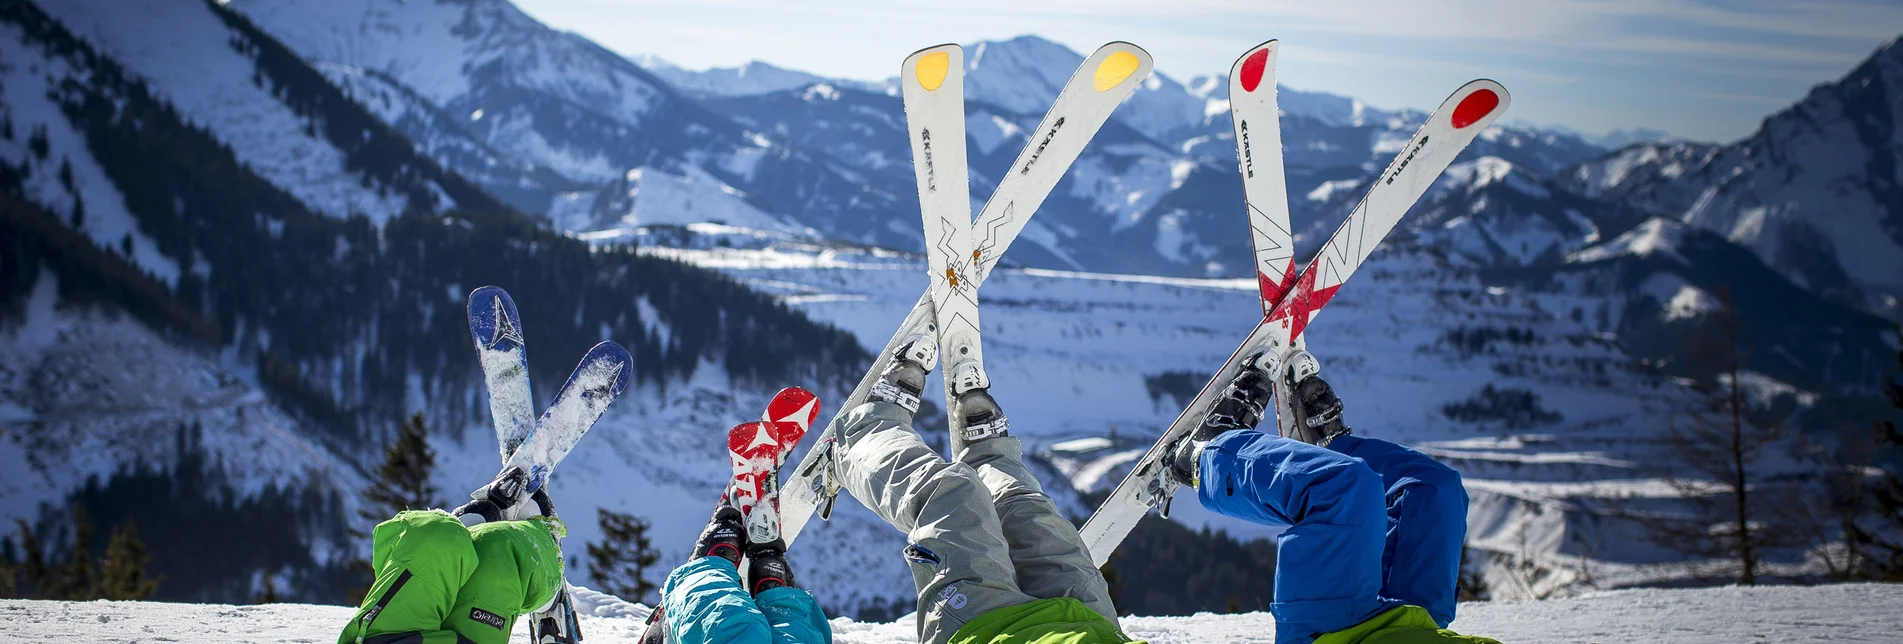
x=1447, y=132
x=757, y=450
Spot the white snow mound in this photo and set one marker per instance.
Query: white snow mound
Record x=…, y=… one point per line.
x=1847, y=612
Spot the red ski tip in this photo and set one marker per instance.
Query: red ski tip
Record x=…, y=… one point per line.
x=1252, y=68
x=1475, y=107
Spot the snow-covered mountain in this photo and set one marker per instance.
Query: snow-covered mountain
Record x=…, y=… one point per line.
x=1815, y=192
x=754, y=77
x=555, y=101
x=833, y=150
x=310, y=188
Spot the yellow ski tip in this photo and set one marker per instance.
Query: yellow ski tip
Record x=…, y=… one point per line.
x=1114, y=69
x=930, y=70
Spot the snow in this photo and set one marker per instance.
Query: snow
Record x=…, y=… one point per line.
x=1654, y=236
x=128, y=409
x=753, y=78
x=1681, y=301
x=185, y=53
x=1103, y=335
x=1845, y=612
x=27, y=76
x=1328, y=189
x=661, y=198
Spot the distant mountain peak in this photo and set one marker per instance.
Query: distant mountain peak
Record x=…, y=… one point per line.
x=1657, y=235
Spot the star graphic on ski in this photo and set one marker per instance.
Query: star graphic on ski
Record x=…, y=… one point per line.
x=1302, y=302
x=504, y=329
x=762, y=436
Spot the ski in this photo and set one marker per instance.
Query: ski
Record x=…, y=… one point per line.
x=1450, y=129
x=600, y=378
x=932, y=85
x=497, y=329
x=757, y=450
x=1101, y=83
x=1253, y=113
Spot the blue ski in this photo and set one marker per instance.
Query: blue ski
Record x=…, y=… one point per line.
x=497, y=330
x=600, y=378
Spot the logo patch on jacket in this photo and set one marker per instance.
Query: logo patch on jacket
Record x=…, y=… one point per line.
x=919, y=555
x=486, y=617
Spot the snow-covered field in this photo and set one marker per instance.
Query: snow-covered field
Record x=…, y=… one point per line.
x=1077, y=358
x=1840, y=613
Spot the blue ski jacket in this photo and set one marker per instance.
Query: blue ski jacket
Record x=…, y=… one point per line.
x=706, y=604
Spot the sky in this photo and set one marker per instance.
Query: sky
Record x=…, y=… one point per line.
x=1698, y=69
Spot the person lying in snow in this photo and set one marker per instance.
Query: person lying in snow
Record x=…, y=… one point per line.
x=458, y=578
x=1372, y=549
x=703, y=601
x=992, y=558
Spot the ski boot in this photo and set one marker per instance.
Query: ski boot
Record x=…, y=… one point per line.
x=502, y=500
x=1238, y=407
x=767, y=568
x=724, y=536
x=903, y=380
x=1308, y=408
x=983, y=418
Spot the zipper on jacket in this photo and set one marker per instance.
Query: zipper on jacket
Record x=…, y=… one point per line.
x=363, y=623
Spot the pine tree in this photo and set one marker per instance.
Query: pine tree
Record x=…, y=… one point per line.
x=269, y=593
x=122, y=571
x=1877, y=544
x=9, y=573
x=33, y=569
x=1471, y=581
x=403, y=481
x=76, y=578
x=619, y=563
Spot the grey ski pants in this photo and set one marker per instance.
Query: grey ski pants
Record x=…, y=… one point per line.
x=983, y=535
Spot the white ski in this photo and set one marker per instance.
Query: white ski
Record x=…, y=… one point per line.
x=932, y=84
x=1252, y=111
x=1447, y=132
x=1100, y=84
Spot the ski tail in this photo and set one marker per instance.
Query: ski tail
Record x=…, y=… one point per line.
x=935, y=120
x=496, y=328
x=1095, y=90
x=1258, y=130
x=795, y=406
x=755, y=450
x=601, y=378
x=758, y=449
x=1451, y=128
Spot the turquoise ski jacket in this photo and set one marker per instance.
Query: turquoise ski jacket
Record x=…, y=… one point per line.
x=704, y=603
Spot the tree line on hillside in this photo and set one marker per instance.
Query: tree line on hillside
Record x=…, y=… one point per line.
x=339, y=313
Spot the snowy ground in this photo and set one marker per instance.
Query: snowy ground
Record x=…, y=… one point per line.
x=1843, y=613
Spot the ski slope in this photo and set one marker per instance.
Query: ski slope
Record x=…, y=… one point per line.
x=1841, y=613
